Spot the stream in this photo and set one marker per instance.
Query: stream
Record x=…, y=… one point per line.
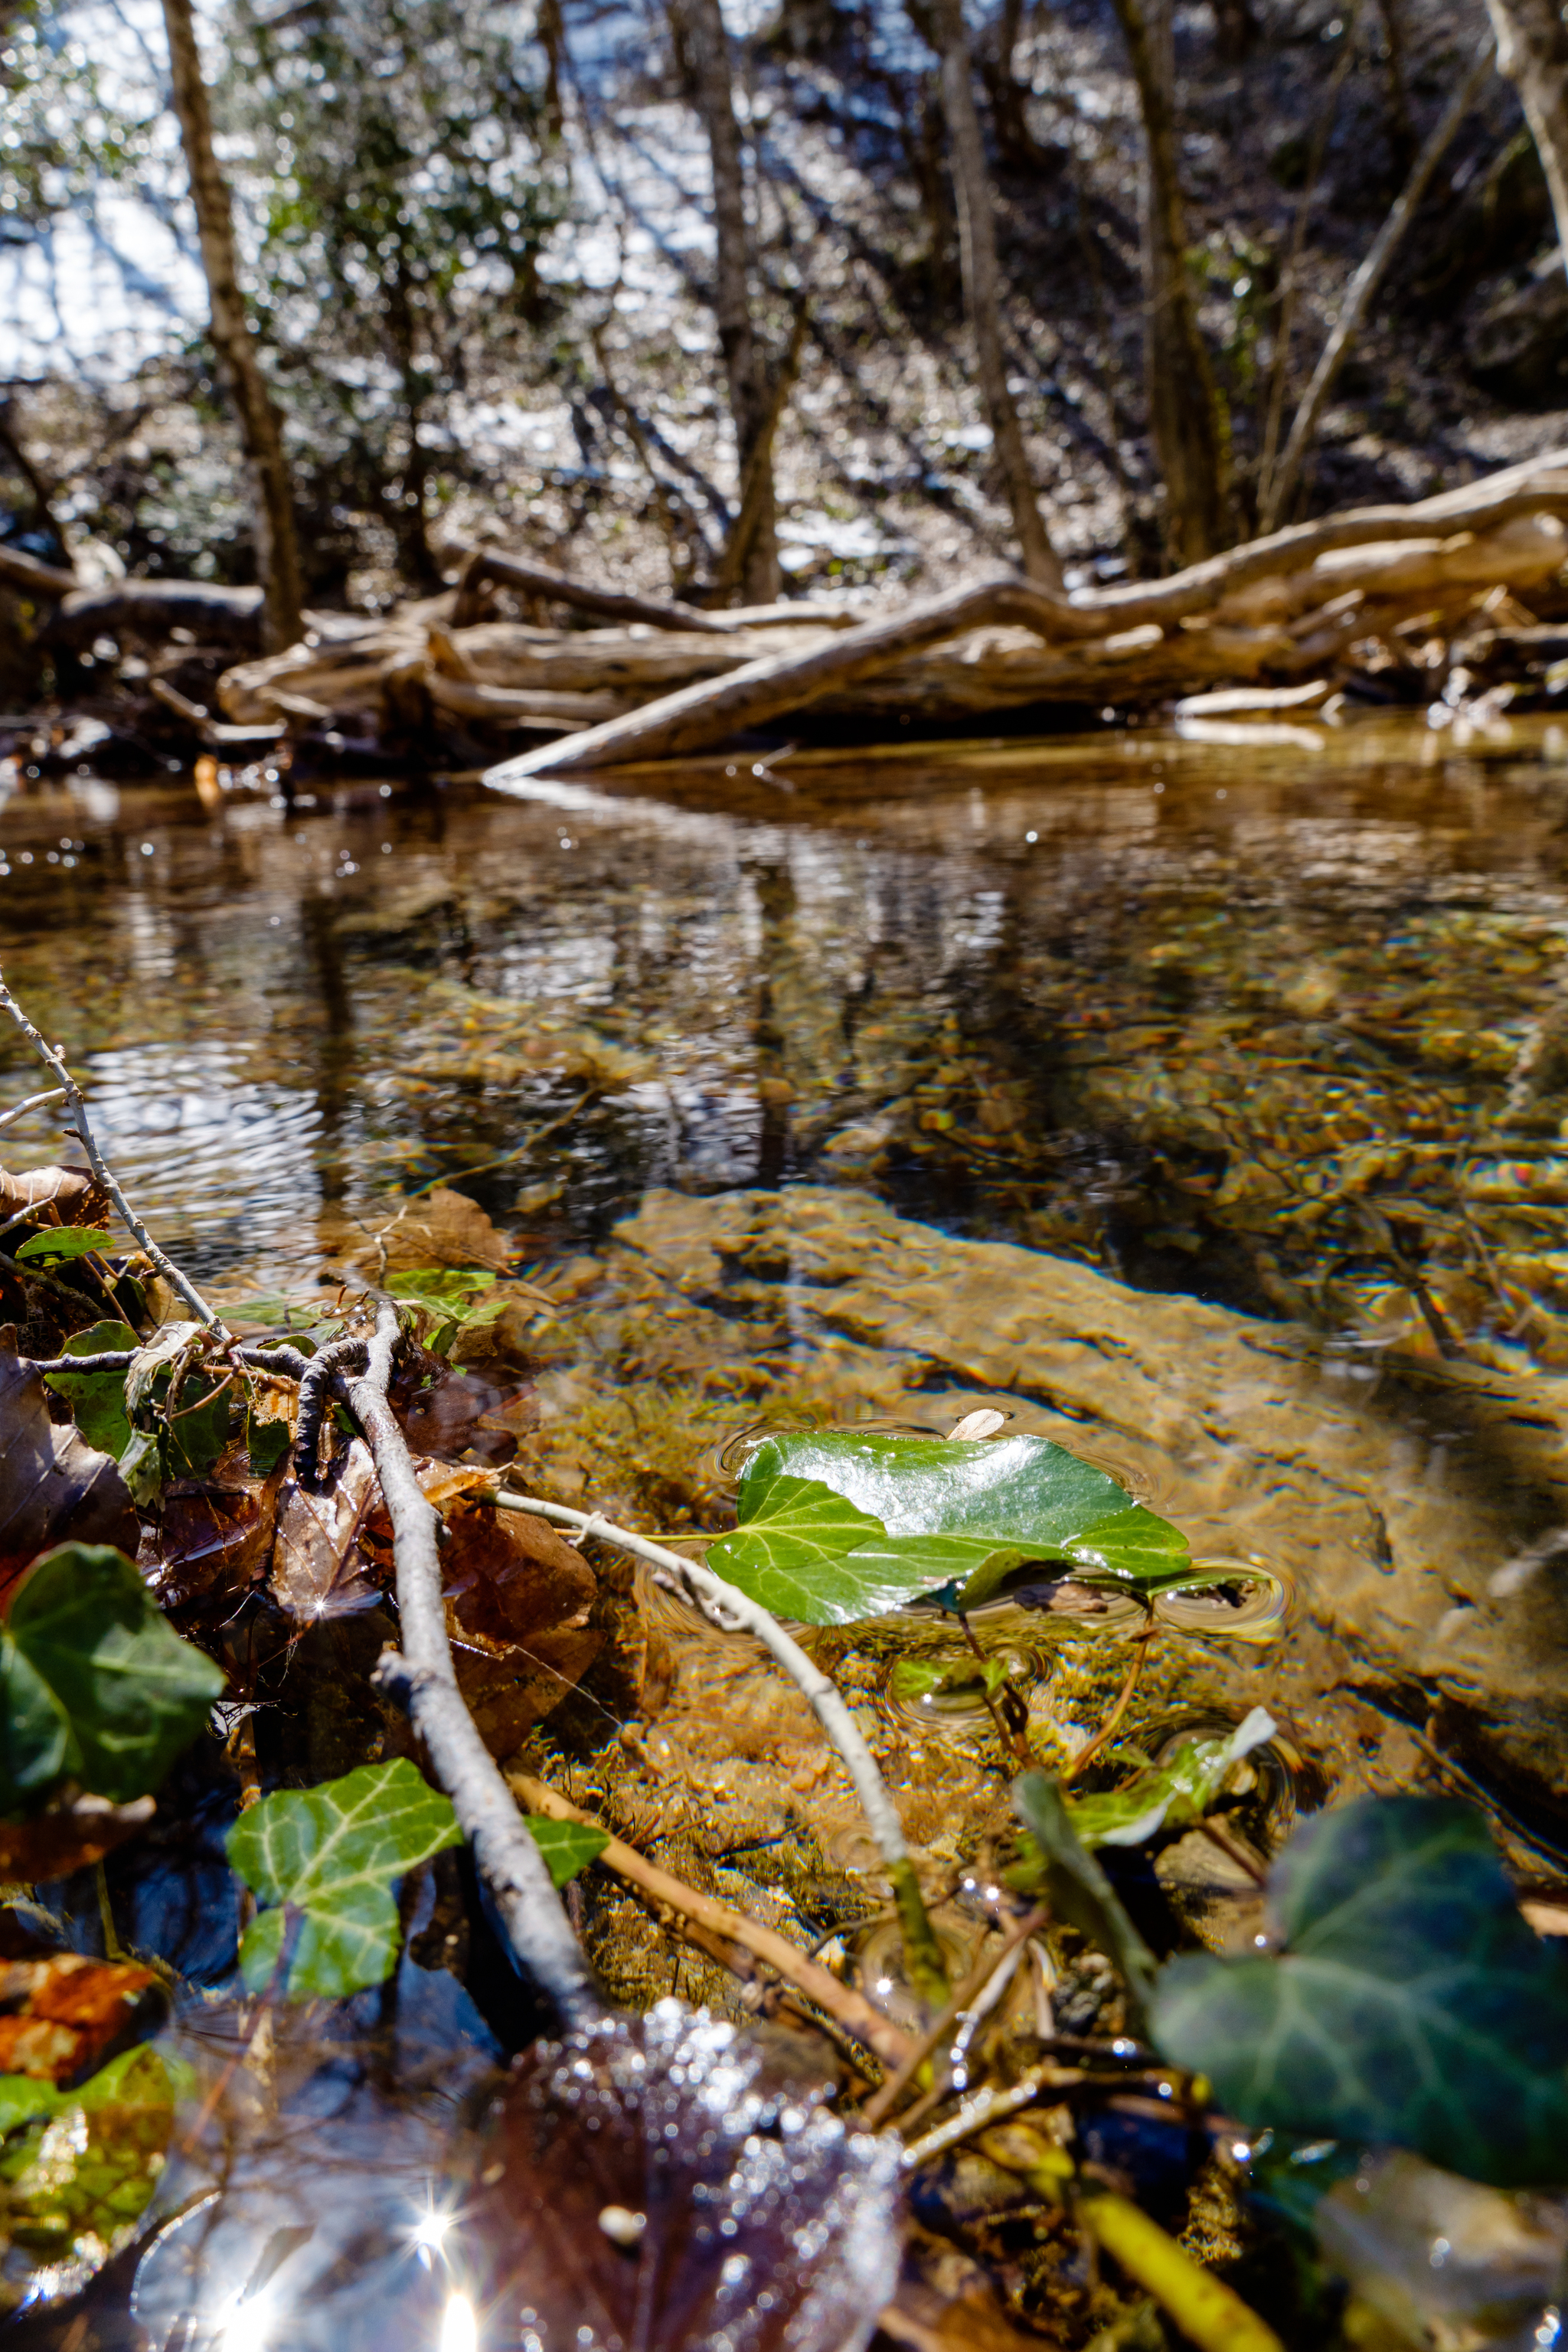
x=1199, y=1099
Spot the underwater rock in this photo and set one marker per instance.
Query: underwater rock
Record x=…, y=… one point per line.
x=1412, y=1504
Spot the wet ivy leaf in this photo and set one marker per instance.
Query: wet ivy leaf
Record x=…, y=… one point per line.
x=649, y=2181
x=1168, y=1795
x=197, y=1426
x=60, y=1241
x=93, y=1682
x=1413, y=2006
x=53, y=1484
x=328, y=1858
x=1055, y=1863
x=77, y=2168
x=97, y=1400
x=794, y=1553
x=932, y=1513
x=565, y=1847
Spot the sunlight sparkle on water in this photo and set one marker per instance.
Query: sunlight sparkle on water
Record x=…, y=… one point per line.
x=460, y=2328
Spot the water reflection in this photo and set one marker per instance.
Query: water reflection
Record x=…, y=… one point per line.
x=1283, y=1033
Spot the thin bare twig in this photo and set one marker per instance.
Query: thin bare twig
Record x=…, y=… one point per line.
x=826, y=1705
x=77, y=1109
x=423, y=1680
x=851, y=2009
x=33, y=1102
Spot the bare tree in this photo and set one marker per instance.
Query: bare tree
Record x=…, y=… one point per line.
x=977, y=249
x=1185, y=416
x=700, y=33
x=239, y=369
x=1532, y=50
x=1358, y=297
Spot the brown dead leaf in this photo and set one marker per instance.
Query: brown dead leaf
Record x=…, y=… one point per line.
x=66, y=2015
x=442, y=1228
x=54, y=1486
x=972, y=2322
x=72, y=1837
x=464, y=1413
x=319, y=1566
x=518, y=1601
x=213, y=1532
x=69, y=1196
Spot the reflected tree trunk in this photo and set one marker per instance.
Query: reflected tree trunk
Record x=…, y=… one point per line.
x=1532, y=50
x=977, y=248
x=234, y=346
x=1186, y=420
x=700, y=28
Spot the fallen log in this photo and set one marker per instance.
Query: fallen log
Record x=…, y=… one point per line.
x=1261, y=617
x=1340, y=597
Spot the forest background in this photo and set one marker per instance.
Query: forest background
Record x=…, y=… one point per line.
x=1052, y=282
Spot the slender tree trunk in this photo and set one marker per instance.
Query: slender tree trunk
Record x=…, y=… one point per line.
x=708, y=50
x=1362, y=288
x=1532, y=50
x=1183, y=405
x=234, y=347
x=977, y=249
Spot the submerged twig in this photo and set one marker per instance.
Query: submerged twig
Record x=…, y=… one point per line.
x=1087, y=1754
x=77, y=1109
x=424, y=1681
x=878, y=2108
x=827, y=1704
x=851, y=2009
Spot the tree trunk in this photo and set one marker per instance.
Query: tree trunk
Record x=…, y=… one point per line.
x=239, y=370
x=707, y=47
x=977, y=248
x=1184, y=404
x=1532, y=50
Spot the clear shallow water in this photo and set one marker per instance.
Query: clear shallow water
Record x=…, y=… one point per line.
x=1273, y=1021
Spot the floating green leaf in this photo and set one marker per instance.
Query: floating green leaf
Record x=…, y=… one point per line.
x=565, y=1847
x=77, y=2168
x=1168, y=1795
x=1056, y=1863
x=836, y=1524
x=1412, y=2007
x=328, y=1858
x=56, y=1242
x=97, y=1400
x=93, y=1682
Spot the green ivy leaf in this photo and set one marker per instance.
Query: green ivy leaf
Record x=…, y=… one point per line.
x=1168, y=1795
x=93, y=1682
x=835, y=1525
x=565, y=1847
x=1413, y=2006
x=97, y=1400
x=79, y=2166
x=333, y=1854
x=197, y=1432
x=1056, y=1863
x=797, y=1553
x=58, y=1242
x=266, y=1442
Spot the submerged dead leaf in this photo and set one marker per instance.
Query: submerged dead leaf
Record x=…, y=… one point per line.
x=53, y=1484
x=464, y=1413
x=440, y=1228
x=72, y=1837
x=646, y=2184
x=65, y=2016
x=518, y=1600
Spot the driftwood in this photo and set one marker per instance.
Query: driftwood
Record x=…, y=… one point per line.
x=1266, y=617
